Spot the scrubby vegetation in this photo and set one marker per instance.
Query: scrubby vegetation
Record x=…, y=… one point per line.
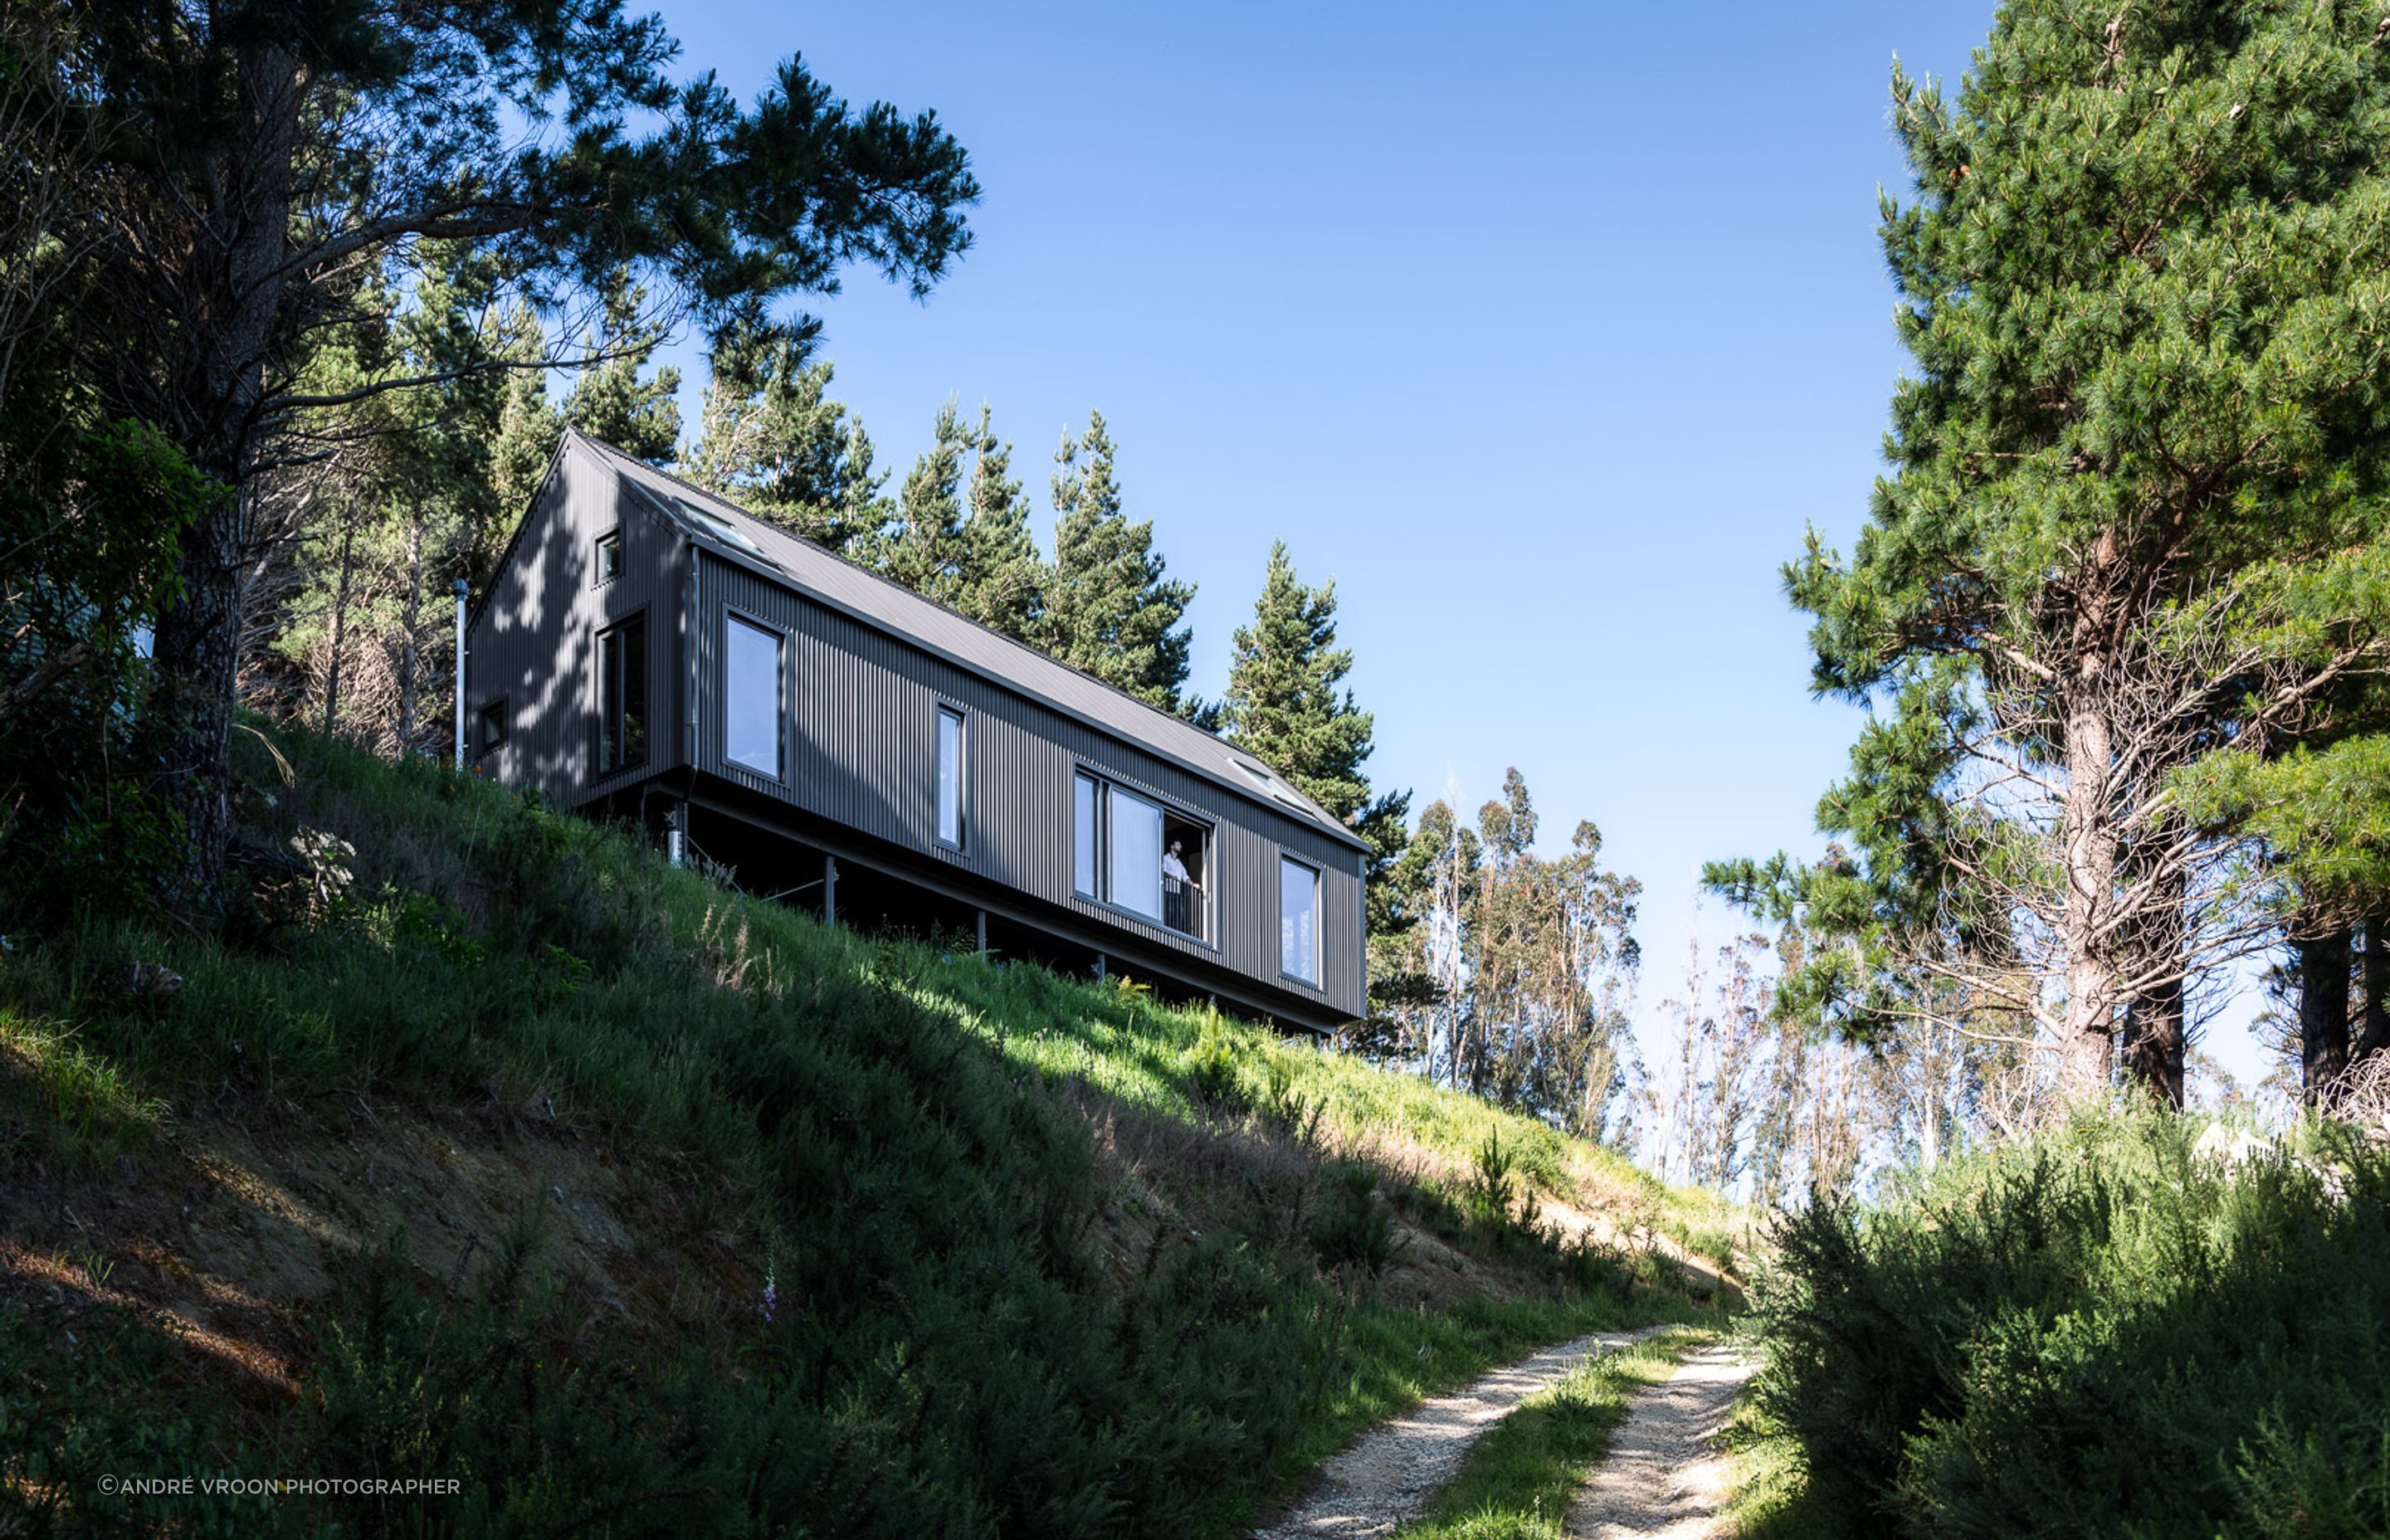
x=2139, y=1326
x=484, y=1147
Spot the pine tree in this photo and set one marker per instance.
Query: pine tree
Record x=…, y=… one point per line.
x=2134, y=508
x=206, y=272
x=864, y=508
x=1003, y=576
x=773, y=441
x=1110, y=611
x=410, y=500
x=438, y=499
x=1286, y=705
x=610, y=401
x=922, y=548
x=523, y=440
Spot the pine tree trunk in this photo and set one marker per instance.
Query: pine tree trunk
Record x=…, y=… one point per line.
x=410, y=651
x=2089, y=853
x=340, y=626
x=2155, y=1055
x=2323, y=1015
x=197, y=641
x=2373, y=1035
x=2154, y=1042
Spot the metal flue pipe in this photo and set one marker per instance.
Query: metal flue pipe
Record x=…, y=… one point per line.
x=460, y=675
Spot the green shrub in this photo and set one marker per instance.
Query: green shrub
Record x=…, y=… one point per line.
x=1215, y=1071
x=1496, y=1171
x=90, y=1396
x=2105, y=1332
x=1355, y=1228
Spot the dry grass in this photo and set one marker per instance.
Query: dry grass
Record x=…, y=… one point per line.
x=225, y=1231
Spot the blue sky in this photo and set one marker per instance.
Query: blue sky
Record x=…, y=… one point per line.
x=1544, y=330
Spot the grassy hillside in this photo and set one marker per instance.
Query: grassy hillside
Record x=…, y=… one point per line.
x=486, y=1149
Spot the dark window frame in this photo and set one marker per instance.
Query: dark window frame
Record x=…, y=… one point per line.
x=1093, y=892
x=941, y=709
x=611, y=749
x=1209, y=824
x=1318, y=942
x=609, y=548
x=779, y=634
x=496, y=712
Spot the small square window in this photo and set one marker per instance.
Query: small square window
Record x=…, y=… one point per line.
x=489, y=728
x=609, y=556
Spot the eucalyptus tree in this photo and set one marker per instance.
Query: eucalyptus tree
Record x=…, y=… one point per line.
x=1514, y=980
x=253, y=156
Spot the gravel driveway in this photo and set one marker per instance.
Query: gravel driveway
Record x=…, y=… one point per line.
x=1385, y=1481
x=1663, y=1477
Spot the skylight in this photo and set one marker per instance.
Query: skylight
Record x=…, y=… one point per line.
x=721, y=529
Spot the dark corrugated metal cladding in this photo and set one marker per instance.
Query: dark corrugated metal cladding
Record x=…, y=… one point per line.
x=861, y=749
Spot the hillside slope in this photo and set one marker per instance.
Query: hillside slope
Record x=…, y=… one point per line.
x=489, y=1151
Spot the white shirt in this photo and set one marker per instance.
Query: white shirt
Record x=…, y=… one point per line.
x=1173, y=867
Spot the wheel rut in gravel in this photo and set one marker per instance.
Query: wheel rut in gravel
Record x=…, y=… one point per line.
x=1385, y=1481
x=1664, y=1477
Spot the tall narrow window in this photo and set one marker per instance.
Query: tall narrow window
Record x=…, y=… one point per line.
x=1298, y=921
x=1133, y=828
x=750, y=697
x=609, y=556
x=950, y=776
x=1083, y=835
x=623, y=696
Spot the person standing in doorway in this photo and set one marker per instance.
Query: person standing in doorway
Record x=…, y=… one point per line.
x=1176, y=902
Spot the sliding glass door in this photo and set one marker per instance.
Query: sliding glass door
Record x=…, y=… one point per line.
x=1137, y=852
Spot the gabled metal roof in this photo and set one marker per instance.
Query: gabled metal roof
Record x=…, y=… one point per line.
x=730, y=530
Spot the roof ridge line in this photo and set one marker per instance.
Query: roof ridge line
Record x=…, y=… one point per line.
x=919, y=597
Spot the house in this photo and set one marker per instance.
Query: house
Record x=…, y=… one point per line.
x=649, y=651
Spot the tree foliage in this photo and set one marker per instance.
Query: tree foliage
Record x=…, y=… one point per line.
x=608, y=399
x=923, y=547
x=772, y=441
x=250, y=162
x=1110, y=611
x=1514, y=977
x=2137, y=480
x=1288, y=704
x=1004, y=577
